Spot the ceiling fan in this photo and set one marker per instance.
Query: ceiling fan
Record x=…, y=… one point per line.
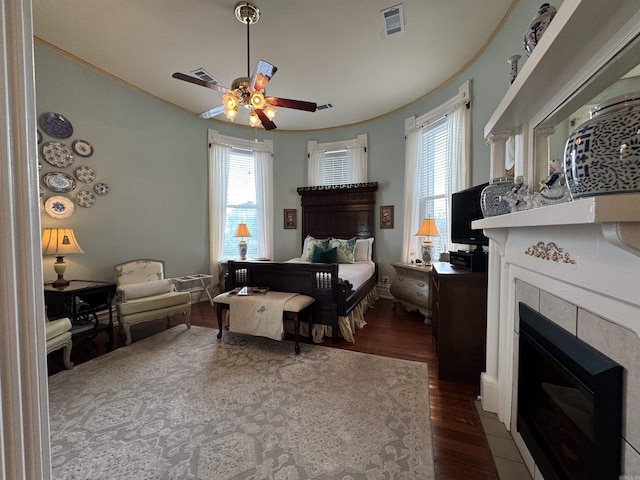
x=249, y=91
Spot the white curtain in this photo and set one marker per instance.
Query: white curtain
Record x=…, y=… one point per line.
x=218, y=165
x=314, y=168
x=264, y=162
x=411, y=188
x=357, y=155
x=458, y=117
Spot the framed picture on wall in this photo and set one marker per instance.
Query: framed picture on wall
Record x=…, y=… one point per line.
x=290, y=218
x=386, y=216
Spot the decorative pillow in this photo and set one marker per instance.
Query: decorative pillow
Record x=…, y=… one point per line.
x=346, y=249
x=364, y=249
x=145, y=289
x=325, y=256
x=310, y=243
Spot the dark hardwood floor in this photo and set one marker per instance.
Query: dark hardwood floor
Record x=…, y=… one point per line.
x=459, y=446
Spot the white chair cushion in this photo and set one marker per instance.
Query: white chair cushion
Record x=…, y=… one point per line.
x=145, y=289
x=154, y=302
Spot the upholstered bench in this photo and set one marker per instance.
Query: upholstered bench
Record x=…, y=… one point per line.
x=293, y=308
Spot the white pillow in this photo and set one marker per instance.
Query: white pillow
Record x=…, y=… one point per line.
x=146, y=289
x=364, y=249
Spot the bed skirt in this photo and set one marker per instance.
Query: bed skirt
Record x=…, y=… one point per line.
x=347, y=325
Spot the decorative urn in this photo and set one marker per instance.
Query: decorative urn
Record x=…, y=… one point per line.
x=602, y=155
x=538, y=26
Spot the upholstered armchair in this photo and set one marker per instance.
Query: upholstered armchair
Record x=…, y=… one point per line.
x=58, y=333
x=143, y=294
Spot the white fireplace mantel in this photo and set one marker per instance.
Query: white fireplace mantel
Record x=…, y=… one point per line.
x=618, y=216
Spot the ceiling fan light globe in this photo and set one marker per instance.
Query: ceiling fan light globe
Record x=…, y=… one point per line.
x=257, y=100
x=254, y=121
x=270, y=112
x=261, y=82
x=231, y=113
x=230, y=101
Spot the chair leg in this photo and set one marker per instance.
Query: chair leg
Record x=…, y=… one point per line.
x=66, y=351
x=127, y=333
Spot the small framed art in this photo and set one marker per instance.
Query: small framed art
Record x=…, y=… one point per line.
x=386, y=216
x=290, y=218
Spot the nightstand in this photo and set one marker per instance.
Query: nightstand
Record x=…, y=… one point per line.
x=411, y=288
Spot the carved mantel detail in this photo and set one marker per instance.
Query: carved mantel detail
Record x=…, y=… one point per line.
x=549, y=251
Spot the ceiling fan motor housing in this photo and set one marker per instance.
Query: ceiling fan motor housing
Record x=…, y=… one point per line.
x=247, y=13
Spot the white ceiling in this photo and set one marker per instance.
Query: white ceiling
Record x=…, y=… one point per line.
x=326, y=51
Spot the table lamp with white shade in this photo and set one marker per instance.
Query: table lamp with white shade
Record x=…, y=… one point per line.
x=242, y=231
x=59, y=242
x=428, y=229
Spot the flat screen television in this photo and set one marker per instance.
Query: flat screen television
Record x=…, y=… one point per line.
x=465, y=208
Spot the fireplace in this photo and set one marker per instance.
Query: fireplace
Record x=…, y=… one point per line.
x=569, y=402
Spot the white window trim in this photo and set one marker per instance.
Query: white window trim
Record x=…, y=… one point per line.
x=315, y=153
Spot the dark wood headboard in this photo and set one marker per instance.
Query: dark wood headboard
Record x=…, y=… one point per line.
x=340, y=211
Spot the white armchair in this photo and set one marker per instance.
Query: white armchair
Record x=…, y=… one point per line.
x=143, y=294
x=58, y=333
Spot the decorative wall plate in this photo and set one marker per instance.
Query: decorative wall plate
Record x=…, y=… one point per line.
x=59, y=207
x=59, y=182
x=85, y=174
x=82, y=148
x=58, y=154
x=101, y=188
x=55, y=125
x=85, y=198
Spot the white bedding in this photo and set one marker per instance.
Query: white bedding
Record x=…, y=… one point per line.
x=355, y=273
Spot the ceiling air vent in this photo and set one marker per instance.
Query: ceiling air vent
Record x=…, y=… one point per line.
x=324, y=106
x=202, y=74
x=392, y=20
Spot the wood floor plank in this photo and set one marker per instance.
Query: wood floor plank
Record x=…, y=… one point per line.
x=459, y=445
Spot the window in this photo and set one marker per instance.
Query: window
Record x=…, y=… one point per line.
x=436, y=165
x=241, y=202
x=240, y=191
x=338, y=163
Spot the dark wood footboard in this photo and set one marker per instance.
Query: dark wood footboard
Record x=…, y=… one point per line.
x=318, y=280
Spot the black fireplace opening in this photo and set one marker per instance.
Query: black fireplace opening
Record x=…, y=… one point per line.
x=569, y=402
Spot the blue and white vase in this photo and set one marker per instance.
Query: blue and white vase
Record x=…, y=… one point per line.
x=492, y=202
x=602, y=155
x=538, y=27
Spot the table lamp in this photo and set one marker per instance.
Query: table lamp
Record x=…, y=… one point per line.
x=242, y=231
x=59, y=242
x=427, y=229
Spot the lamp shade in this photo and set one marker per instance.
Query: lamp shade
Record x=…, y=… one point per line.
x=242, y=231
x=428, y=229
x=59, y=242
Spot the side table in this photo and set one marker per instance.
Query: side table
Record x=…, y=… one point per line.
x=81, y=300
x=410, y=288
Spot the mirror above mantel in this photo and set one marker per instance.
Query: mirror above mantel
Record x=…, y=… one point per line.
x=619, y=76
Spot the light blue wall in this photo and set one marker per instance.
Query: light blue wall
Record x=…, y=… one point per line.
x=153, y=157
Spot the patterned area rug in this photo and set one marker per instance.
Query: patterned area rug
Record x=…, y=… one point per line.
x=184, y=405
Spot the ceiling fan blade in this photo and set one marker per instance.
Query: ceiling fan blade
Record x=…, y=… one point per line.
x=288, y=103
x=261, y=76
x=199, y=81
x=213, y=112
x=266, y=122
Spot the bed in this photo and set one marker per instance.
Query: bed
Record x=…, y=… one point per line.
x=341, y=212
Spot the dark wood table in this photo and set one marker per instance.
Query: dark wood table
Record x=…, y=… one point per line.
x=81, y=300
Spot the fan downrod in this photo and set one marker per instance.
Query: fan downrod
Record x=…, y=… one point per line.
x=247, y=13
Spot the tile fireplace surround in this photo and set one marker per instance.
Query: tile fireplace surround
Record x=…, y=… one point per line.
x=578, y=264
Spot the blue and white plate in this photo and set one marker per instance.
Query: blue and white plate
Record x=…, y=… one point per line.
x=59, y=207
x=59, y=182
x=101, y=188
x=85, y=198
x=82, y=148
x=58, y=154
x=55, y=125
x=85, y=174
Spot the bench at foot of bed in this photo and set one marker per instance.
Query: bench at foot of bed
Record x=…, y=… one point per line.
x=293, y=308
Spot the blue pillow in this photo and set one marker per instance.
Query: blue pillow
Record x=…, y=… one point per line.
x=321, y=255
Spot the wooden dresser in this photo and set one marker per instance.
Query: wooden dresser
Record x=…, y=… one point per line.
x=459, y=321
